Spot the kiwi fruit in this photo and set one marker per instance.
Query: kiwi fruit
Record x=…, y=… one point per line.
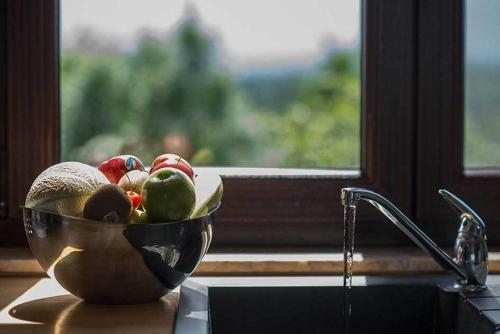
x=110, y=203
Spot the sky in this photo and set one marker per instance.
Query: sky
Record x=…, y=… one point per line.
x=482, y=32
x=249, y=31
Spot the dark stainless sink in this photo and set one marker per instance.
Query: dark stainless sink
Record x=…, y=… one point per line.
x=315, y=305
x=375, y=309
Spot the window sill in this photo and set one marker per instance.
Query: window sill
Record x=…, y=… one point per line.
x=251, y=172
x=378, y=261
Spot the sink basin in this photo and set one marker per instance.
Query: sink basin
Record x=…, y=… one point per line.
x=315, y=305
x=375, y=309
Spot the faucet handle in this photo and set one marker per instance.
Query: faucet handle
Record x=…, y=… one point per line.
x=470, y=251
x=465, y=212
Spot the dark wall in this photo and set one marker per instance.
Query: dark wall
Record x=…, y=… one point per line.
x=3, y=110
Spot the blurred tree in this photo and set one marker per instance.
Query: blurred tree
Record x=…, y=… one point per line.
x=482, y=119
x=196, y=99
x=322, y=128
x=98, y=104
x=175, y=95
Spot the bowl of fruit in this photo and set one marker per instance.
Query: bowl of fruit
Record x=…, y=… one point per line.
x=119, y=234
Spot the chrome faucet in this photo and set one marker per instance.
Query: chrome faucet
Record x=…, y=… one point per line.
x=470, y=253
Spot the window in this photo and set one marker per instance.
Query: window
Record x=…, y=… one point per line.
x=412, y=134
x=224, y=83
x=444, y=120
x=482, y=79
x=268, y=207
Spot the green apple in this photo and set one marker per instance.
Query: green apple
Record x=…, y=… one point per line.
x=168, y=195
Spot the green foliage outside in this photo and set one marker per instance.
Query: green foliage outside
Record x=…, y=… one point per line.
x=176, y=97
x=482, y=119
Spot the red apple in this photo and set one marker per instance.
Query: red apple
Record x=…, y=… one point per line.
x=172, y=161
x=118, y=166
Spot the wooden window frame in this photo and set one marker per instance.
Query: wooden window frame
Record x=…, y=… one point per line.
x=30, y=107
x=272, y=210
x=3, y=114
x=441, y=126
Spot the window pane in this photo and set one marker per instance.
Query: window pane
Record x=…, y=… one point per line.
x=482, y=84
x=222, y=82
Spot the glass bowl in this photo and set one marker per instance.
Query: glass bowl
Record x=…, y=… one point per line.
x=117, y=263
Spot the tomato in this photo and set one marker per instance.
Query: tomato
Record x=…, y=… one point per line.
x=135, y=198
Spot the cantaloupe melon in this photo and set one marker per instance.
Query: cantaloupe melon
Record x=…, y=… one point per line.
x=64, y=188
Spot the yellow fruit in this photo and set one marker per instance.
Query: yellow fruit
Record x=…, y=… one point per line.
x=209, y=190
x=138, y=217
x=64, y=188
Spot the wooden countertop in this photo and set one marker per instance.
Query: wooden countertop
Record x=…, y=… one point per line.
x=30, y=302
x=41, y=305
x=379, y=261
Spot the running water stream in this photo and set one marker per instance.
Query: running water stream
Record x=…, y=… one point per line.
x=349, y=220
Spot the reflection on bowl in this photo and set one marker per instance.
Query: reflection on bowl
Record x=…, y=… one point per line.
x=117, y=263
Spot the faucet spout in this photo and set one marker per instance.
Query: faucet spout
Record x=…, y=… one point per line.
x=351, y=196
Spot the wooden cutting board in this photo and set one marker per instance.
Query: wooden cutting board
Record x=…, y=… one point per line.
x=34, y=305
